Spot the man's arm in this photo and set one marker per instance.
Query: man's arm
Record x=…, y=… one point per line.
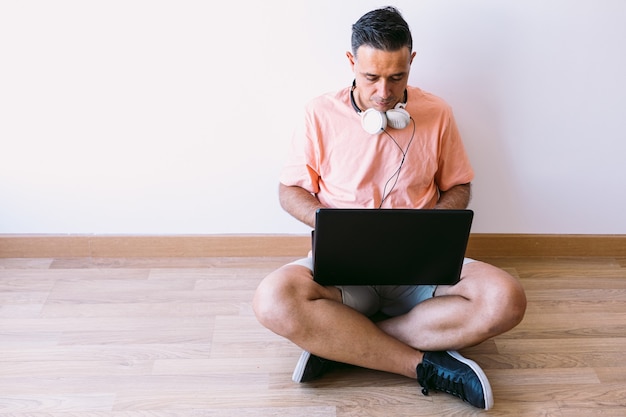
x=457, y=197
x=300, y=203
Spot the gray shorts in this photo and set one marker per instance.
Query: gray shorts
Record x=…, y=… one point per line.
x=391, y=300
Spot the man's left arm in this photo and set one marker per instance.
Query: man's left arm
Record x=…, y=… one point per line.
x=457, y=197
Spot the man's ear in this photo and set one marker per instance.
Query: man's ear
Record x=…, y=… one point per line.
x=351, y=58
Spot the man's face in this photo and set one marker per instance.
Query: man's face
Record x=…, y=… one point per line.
x=381, y=76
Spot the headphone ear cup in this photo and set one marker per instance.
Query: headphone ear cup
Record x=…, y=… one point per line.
x=373, y=121
x=398, y=118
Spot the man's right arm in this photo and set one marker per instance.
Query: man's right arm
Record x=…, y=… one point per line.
x=300, y=203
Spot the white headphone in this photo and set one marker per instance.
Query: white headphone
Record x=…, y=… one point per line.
x=374, y=121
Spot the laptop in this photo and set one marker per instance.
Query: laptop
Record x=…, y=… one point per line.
x=389, y=246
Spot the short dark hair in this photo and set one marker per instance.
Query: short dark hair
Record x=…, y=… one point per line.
x=384, y=29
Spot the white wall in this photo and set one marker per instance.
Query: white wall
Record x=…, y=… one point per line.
x=173, y=117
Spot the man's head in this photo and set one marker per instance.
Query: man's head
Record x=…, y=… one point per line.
x=383, y=29
x=381, y=58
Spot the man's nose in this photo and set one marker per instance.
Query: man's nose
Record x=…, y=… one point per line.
x=382, y=89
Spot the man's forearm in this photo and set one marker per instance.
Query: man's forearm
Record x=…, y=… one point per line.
x=457, y=197
x=300, y=203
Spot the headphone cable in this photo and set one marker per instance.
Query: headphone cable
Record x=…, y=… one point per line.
x=396, y=174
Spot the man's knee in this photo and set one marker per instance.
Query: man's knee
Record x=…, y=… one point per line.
x=516, y=304
x=278, y=297
x=507, y=301
x=270, y=298
x=500, y=295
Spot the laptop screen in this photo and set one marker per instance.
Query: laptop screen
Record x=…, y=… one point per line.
x=389, y=246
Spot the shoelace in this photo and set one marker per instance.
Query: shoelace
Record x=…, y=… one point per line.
x=430, y=379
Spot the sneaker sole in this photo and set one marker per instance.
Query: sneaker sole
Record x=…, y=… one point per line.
x=481, y=376
x=298, y=373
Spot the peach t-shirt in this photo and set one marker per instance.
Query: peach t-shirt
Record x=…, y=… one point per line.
x=333, y=157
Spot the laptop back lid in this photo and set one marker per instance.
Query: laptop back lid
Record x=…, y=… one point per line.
x=389, y=246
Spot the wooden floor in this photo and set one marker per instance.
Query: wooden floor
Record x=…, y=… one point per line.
x=177, y=337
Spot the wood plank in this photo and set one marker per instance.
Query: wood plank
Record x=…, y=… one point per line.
x=200, y=246
x=546, y=245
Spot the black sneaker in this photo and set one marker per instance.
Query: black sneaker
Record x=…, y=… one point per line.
x=310, y=367
x=452, y=373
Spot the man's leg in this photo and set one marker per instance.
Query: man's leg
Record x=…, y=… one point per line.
x=291, y=304
x=485, y=303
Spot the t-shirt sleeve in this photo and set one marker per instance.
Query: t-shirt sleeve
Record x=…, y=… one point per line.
x=301, y=167
x=454, y=164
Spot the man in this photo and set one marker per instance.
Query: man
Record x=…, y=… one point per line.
x=414, y=160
